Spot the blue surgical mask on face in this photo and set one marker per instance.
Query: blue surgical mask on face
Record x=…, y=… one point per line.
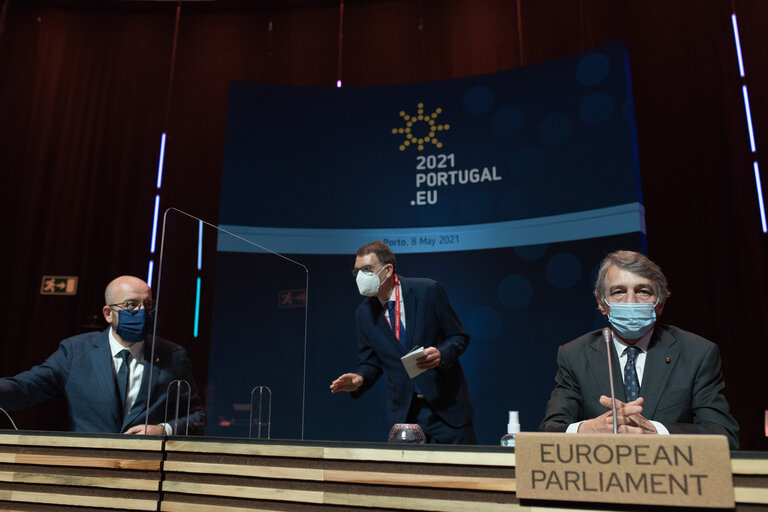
x=632, y=320
x=132, y=325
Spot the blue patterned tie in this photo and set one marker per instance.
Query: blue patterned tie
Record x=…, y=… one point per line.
x=122, y=376
x=631, y=382
x=392, y=317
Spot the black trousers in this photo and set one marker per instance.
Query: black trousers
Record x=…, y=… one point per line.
x=435, y=429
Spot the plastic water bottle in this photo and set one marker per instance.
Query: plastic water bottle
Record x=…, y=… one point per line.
x=513, y=427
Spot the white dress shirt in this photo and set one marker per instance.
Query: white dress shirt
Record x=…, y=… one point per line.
x=621, y=349
x=136, y=366
x=392, y=297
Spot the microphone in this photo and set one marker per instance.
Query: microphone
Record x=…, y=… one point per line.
x=9, y=418
x=607, y=337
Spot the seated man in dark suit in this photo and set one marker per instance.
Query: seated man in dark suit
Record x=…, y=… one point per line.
x=672, y=379
x=105, y=375
x=401, y=314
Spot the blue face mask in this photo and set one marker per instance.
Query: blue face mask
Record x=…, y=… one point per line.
x=132, y=325
x=632, y=320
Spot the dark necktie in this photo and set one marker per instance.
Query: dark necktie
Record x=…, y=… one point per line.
x=631, y=382
x=394, y=318
x=122, y=376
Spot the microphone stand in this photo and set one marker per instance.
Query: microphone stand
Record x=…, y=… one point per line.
x=608, y=339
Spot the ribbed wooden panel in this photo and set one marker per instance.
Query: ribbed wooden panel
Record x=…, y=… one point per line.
x=274, y=476
x=39, y=471
x=46, y=472
x=240, y=447
x=348, y=476
x=750, y=481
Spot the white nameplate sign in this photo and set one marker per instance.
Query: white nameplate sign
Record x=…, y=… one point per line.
x=674, y=470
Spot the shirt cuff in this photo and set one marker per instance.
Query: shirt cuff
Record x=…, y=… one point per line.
x=168, y=429
x=660, y=429
x=573, y=428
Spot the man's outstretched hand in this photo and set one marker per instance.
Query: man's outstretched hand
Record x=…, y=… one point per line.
x=347, y=382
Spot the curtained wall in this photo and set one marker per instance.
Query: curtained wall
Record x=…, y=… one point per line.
x=84, y=89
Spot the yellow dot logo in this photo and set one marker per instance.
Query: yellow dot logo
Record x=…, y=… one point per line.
x=420, y=128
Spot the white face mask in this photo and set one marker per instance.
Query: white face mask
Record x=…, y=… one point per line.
x=367, y=283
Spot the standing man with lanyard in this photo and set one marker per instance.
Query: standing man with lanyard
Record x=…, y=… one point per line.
x=399, y=315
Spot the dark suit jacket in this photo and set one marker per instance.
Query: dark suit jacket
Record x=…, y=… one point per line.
x=430, y=322
x=82, y=370
x=684, y=394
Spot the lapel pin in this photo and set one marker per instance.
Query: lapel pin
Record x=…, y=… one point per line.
x=668, y=360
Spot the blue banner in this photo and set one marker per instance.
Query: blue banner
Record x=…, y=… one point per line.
x=548, y=139
x=508, y=188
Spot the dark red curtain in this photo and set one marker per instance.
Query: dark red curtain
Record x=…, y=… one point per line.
x=84, y=91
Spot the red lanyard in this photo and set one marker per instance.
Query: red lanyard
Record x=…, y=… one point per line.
x=397, y=311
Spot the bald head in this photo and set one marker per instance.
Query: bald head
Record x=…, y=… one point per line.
x=117, y=292
x=123, y=288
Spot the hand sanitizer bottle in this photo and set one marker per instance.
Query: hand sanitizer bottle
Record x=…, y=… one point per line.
x=513, y=427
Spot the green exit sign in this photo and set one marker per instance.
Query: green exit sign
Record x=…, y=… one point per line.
x=59, y=285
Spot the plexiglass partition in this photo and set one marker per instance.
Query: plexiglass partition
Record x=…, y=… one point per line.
x=249, y=305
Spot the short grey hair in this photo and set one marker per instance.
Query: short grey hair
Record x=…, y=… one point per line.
x=638, y=264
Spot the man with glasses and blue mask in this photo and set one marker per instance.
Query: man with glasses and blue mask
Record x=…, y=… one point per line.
x=105, y=375
x=399, y=315
x=667, y=380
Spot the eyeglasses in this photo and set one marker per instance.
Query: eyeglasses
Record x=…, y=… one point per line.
x=133, y=305
x=367, y=270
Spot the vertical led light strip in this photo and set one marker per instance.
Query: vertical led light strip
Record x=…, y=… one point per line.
x=197, y=309
x=161, y=158
x=199, y=268
x=760, y=195
x=200, y=246
x=750, y=129
x=153, y=242
x=738, y=44
x=150, y=271
x=748, y=113
x=160, y=163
